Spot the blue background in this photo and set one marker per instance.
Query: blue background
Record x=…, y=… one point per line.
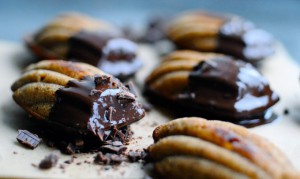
x=281, y=18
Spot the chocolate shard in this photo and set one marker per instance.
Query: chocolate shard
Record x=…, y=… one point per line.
x=134, y=156
x=108, y=158
x=102, y=80
x=111, y=110
x=79, y=143
x=69, y=161
x=137, y=155
x=100, y=158
x=28, y=139
x=115, y=159
x=125, y=97
x=70, y=149
x=49, y=161
x=117, y=143
x=131, y=87
x=114, y=149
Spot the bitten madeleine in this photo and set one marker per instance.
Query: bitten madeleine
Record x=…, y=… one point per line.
x=198, y=148
x=76, y=37
x=232, y=35
x=76, y=102
x=211, y=85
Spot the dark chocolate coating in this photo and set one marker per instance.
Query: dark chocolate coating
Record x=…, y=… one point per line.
x=95, y=104
x=243, y=40
x=228, y=88
x=87, y=46
x=109, y=52
x=223, y=89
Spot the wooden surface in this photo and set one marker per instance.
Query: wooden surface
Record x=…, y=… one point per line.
x=16, y=161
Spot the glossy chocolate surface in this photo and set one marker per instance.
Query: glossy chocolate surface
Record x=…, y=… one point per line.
x=109, y=52
x=87, y=46
x=228, y=88
x=223, y=89
x=96, y=104
x=242, y=39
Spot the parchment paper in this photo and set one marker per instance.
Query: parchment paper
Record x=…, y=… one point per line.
x=17, y=161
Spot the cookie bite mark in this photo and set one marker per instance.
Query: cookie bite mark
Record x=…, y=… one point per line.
x=77, y=102
x=96, y=103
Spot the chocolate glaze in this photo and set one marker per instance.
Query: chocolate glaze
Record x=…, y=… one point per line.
x=109, y=52
x=87, y=46
x=223, y=89
x=243, y=40
x=94, y=106
x=229, y=88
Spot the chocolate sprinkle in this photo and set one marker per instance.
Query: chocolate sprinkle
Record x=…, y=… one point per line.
x=28, y=139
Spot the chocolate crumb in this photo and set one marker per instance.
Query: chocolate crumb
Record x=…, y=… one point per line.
x=28, y=139
x=108, y=158
x=111, y=110
x=121, y=136
x=137, y=155
x=115, y=159
x=34, y=165
x=79, y=143
x=49, y=161
x=125, y=97
x=70, y=149
x=88, y=162
x=62, y=166
x=131, y=87
x=69, y=161
x=100, y=158
x=15, y=152
x=134, y=156
x=113, y=149
x=117, y=143
x=102, y=80
x=50, y=144
x=79, y=163
x=286, y=112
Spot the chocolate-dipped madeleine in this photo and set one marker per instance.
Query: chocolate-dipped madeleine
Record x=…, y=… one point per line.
x=212, y=85
x=76, y=102
x=76, y=37
x=198, y=148
x=228, y=34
